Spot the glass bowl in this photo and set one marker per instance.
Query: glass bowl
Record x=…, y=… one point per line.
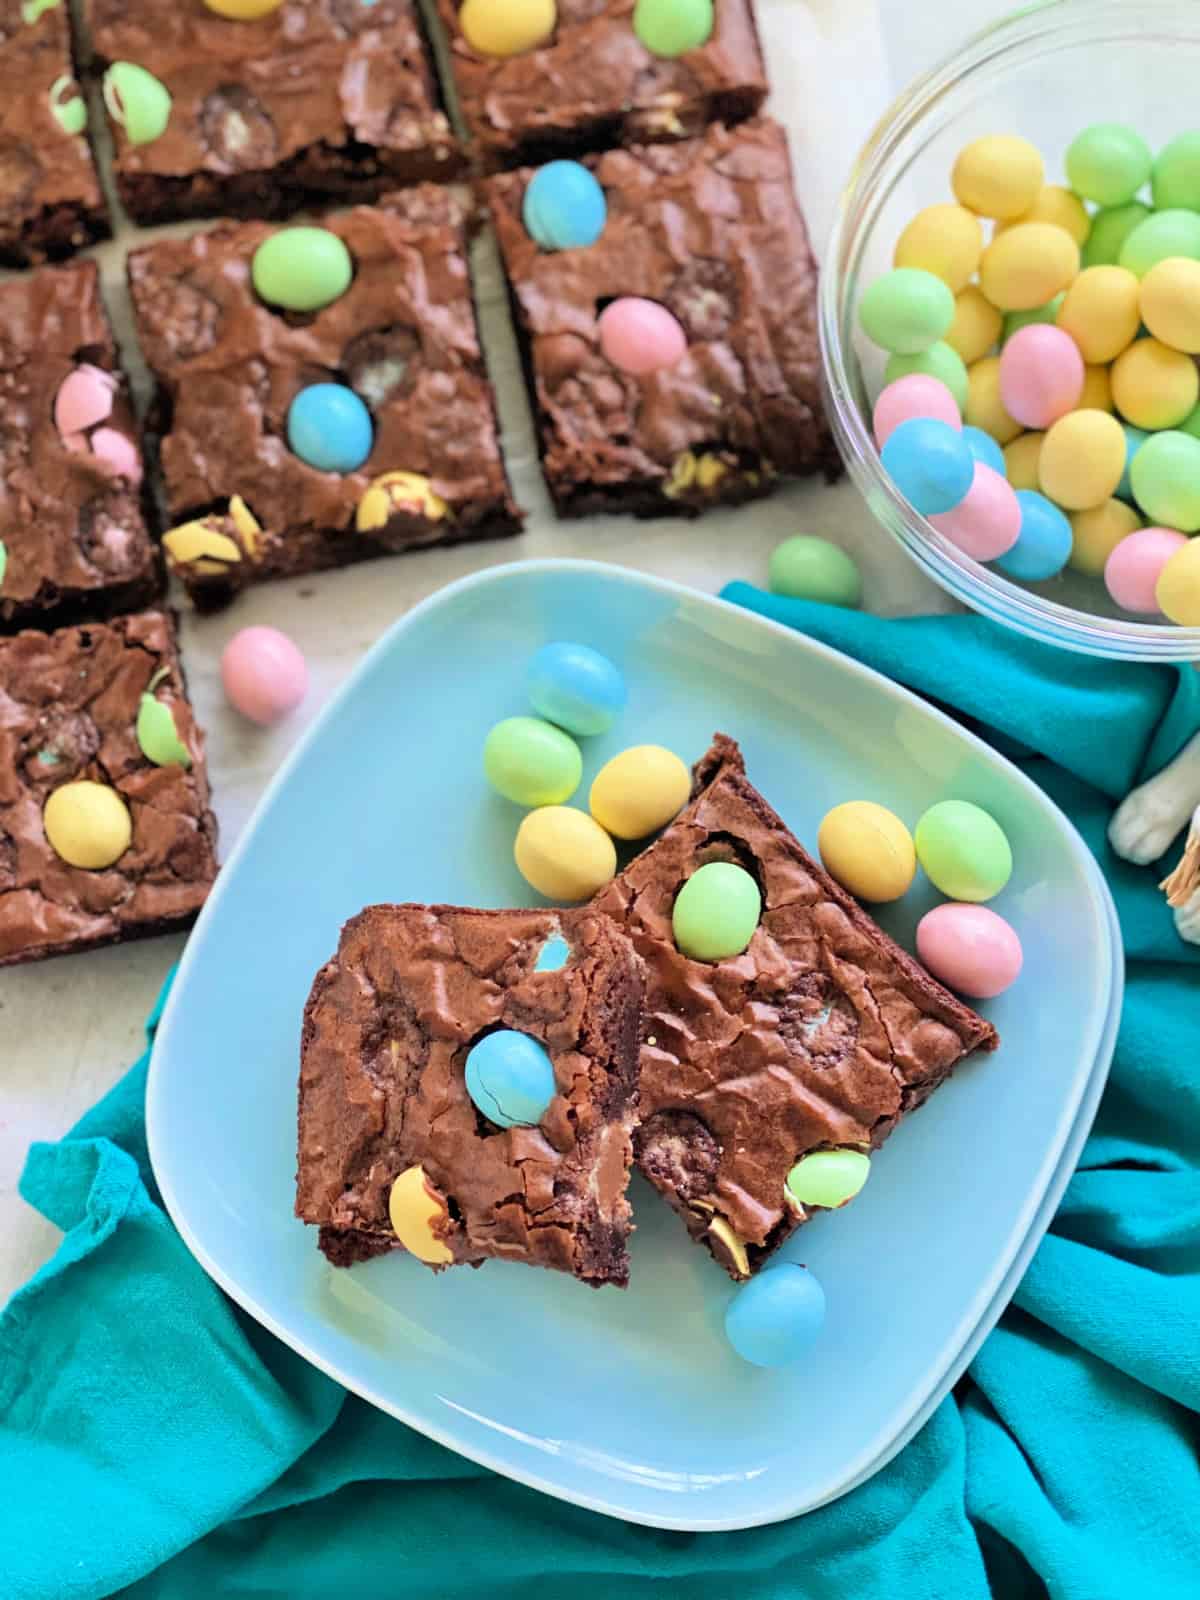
x=1045, y=72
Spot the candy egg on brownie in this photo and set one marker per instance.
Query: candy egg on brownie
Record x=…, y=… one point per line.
x=330, y=428
x=264, y=674
x=509, y=29
x=301, y=269
x=510, y=1078
x=640, y=336
x=87, y=824
x=414, y=1209
x=716, y=912
x=564, y=206
x=828, y=1178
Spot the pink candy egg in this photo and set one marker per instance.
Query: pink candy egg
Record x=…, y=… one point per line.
x=118, y=453
x=917, y=395
x=264, y=674
x=986, y=524
x=970, y=949
x=1132, y=571
x=1041, y=375
x=84, y=398
x=640, y=336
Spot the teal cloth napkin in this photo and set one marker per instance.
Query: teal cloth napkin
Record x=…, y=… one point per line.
x=155, y=1441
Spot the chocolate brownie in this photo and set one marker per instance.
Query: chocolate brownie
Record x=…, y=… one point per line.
x=402, y=336
x=316, y=100
x=50, y=200
x=711, y=229
x=72, y=530
x=387, y=1029
x=822, y=1035
x=69, y=711
x=595, y=84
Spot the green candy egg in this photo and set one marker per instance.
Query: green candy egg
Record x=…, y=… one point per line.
x=532, y=762
x=1109, y=231
x=940, y=361
x=67, y=106
x=1165, y=476
x=1014, y=321
x=670, y=27
x=828, y=1177
x=804, y=568
x=138, y=101
x=3, y=560
x=1190, y=424
x=1165, y=233
x=716, y=912
x=157, y=735
x=964, y=851
x=301, y=269
x=1175, y=176
x=906, y=310
x=1108, y=163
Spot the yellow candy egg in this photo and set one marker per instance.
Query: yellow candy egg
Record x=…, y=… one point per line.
x=563, y=853
x=1027, y=265
x=977, y=325
x=1059, y=206
x=1178, y=590
x=999, y=176
x=1100, y=312
x=1154, y=386
x=638, y=792
x=243, y=10
x=507, y=27
x=87, y=824
x=1098, y=532
x=1021, y=460
x=985, y=409
x=414, y=1206
x=945, y=240
x=1082, y=459
x=1097, y=390
x=1170, y=303
x=868, y=850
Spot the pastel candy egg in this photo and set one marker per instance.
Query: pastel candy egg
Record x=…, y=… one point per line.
x=1190, y=424
x=301, y=269
x=1135, y=438
x=506, y=27
x=564, y=854
x=1014, y=321
x=1059, y=206
x=639, y=791
x=1108, y=163
x=1021, y=456
x=906, y=310
x=564, y=207
x=1179, y=586
x=1082, y=459
x=963, y=850
x=971, y=949
x=67, y=105
x=1153, y=386
x=244, y=10
x=531, y=762
x=157, y=736
x=1132, y=571
x=1043, y=545
x=575, y=687
x=940, y=361
x=1158, y=237
x=716, y=912
x=945, y=240
x=917, y=395
x=3, y=560
x=1096, y=533
x=137, y=101
x=1027, y=265
x=988, y=521
x=985, y=407
x=984, y=448
x=84, y=398
x=640, y=336
x=805, y=568
x=1110, y=229
x=929, y=464
x=670, y=27
x=774, y=1320
x=1175, y=176
x=1041, y=375
x=998, y=176
x=87, y=824
x=330, y=428
x=828, y=1178
x=415, y=1209
x=976, y=327
x=510, y=1078
x=263, y=674
x=868, y=850
x=1100, y=312
x=118, y=453
x=1170, y=303
x=1097, y=390
x=1165, y=478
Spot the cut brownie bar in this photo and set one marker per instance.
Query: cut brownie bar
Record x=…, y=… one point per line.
x=314, y=101
x=595, y=84
x=50, y=200
x=711, y=229
x=69, y=711
x=71, y=523
x=822, y=1035
x=387, y=1030
x=402, y=335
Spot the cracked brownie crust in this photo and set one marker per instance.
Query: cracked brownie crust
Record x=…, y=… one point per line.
x=386, y=1033
x=823, y=1033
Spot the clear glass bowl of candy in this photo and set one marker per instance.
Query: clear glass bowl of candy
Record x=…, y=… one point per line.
x=1010, y=323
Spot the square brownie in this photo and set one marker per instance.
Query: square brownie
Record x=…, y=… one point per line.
x=402, y=336
x=69, y=713
x=820, y=1036
x=318, y=100
x=387, y=1029
x=50, y=200
x=594, y=83
x=709, y=228
x=72, y=530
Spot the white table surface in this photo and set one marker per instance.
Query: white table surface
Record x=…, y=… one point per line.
x=70, y=1027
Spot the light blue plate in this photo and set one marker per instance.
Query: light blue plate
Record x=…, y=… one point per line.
x=631, y=1403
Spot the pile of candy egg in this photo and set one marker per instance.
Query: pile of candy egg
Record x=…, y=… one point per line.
x=1042, y=396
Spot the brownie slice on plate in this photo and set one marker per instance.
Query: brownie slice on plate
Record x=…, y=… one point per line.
x=387, y=1030
x=822, y=1035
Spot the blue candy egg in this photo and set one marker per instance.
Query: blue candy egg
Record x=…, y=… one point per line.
x=1134, y=440
x=575, y=687
x=984, y=448
x=1043, y=544
x=564, y=207
x=330, y=428
x=930, y=463
x=554, y=955
x=774, y=1319
x=510, y=1078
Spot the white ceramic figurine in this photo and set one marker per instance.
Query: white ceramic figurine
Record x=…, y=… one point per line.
x=1147, y=821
